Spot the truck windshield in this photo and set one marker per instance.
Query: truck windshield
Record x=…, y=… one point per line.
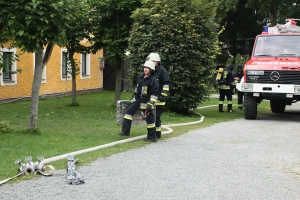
x=277, y=45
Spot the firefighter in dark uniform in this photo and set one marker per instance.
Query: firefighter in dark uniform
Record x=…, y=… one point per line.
x=144, y=98
x=238, y=77
x=226, y=88
x=163, y=79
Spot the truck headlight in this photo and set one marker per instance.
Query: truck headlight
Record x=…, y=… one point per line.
x=247, y=87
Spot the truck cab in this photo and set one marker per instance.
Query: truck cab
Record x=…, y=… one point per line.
x=273, y=72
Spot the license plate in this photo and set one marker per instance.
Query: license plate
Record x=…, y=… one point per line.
x=255, y=72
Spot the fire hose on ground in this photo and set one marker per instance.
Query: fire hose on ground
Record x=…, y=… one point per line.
x=48, y=170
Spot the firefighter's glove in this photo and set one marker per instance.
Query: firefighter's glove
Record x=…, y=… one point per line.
x=162, y=98
x=150, y=106
x=133, y=99
x=233, y=90
x=164, y=93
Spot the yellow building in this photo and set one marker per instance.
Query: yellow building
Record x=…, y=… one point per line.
x=55, y=79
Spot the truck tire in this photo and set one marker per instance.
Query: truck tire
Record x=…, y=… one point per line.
x=277, y=106
x=250, y=106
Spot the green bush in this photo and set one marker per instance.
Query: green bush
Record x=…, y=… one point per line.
x=184, y=34
x=5, y=127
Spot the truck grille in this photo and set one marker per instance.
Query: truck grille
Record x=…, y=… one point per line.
x=285, y=77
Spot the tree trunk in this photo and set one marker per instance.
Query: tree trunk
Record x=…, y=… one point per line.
x=74, y=71
x=39, y=66
x=74, y=96
x=273, y=14
x=118, y=82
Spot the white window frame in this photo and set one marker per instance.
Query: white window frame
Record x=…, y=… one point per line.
x=44, y=80
x=68, y=76
x=88, y=66
x=14, y=77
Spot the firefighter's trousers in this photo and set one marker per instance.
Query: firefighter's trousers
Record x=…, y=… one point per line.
x=158, y=113
x=228, y=94
x=240, y=96
x=131, y=109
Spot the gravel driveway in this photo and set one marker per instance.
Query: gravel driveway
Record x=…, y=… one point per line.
x=241, y=159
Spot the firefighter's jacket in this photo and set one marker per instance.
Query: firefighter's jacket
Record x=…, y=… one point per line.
x=163, y=78
x=239, y=75
x=228, y=81
x=146, y=90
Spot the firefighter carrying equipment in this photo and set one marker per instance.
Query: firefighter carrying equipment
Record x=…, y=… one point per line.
x=221, y=77
x=74, y=177
x=146, y=87
x=239, y=74
x=226, y=82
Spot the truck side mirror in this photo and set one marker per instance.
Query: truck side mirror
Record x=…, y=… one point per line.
x=247, y=48
x=248, y=51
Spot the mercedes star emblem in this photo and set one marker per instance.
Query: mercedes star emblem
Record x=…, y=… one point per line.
x=274, y=76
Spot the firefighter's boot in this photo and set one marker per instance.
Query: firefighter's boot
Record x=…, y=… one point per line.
x=221, y=108
x=230, y=108
x=151, y=136
x=158, y=134
x=126, y=126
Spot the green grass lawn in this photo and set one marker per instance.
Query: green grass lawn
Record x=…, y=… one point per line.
x=67, y=129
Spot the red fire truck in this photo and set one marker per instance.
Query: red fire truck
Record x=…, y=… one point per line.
x=273, y=72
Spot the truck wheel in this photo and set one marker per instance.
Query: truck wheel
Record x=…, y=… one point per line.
x=250, y=106
x=277, y=106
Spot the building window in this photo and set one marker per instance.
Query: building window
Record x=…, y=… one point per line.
x=65, y=66
x=64, y=71
x=85, y=65
x=9, y=67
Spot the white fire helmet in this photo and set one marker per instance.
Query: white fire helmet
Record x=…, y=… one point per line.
x=153, y=57
x=149, y=64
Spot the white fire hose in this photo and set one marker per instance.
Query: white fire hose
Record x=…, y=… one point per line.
x=167, y=127
x=48, y=170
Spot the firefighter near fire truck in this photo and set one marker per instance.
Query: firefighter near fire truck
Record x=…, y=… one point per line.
x=226, y=86
x=238, y=77
x=273, y=71
x=163, y=79
x=144, y=98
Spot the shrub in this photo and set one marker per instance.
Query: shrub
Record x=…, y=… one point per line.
x=5, y=127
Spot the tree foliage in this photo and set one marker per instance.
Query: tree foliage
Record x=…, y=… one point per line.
x=79, y=29
x=244, y=19
x=288, y=9
x=184, y=34
x=269, y=7
x=111, y=26
x=239, y=23
x=34, y=25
